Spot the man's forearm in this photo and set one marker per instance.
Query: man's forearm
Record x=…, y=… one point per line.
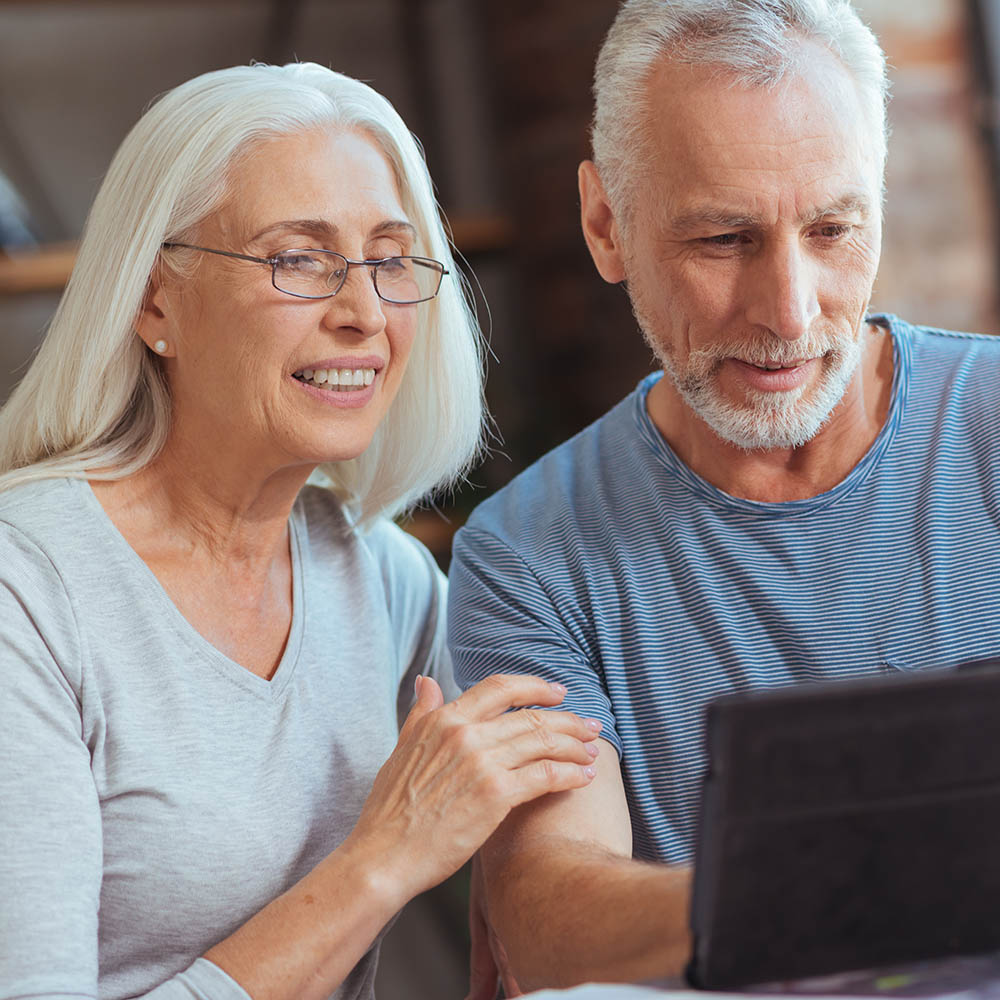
x=570, y=913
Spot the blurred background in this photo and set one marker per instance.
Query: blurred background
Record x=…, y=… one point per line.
x=499, y=93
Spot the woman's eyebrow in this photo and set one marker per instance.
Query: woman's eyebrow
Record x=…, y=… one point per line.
x=327, y=230
x=395, y=226
x=315, y=227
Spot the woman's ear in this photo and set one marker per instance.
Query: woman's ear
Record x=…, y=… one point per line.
x=600, y=228
x=152, y=324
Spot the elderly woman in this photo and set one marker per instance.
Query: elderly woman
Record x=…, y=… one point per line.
x=203, y=658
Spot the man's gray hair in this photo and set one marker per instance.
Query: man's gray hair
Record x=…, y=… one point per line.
x=758, y=41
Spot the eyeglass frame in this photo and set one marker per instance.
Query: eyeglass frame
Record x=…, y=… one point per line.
x=373, y=264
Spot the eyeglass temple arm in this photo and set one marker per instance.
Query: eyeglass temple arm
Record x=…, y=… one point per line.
x=221, y=253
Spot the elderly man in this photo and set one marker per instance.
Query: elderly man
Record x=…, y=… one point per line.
x=804, y=492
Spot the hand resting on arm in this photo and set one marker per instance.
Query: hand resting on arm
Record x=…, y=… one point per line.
x=456, y=772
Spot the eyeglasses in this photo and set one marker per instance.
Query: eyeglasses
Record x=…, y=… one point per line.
x=320, y=274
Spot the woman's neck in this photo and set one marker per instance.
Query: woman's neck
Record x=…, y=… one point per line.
x=220, y=511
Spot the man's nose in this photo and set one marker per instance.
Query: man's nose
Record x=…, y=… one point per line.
x=357, y=303
x=782, y=290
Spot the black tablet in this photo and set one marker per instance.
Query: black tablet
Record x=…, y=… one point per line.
x=847, y=825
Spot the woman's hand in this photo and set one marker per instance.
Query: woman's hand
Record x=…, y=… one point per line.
x=459, y=769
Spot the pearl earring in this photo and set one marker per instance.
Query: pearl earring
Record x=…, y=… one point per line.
x=160, y=346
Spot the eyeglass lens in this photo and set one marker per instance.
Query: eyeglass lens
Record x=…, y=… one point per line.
x=320, y=273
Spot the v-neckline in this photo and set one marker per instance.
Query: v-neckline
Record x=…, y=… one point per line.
x=245, y=678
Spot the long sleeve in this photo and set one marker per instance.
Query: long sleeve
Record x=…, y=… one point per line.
x=50, y=835
x=51, y=858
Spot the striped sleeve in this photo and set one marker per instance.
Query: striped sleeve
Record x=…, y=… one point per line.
x=501, y=619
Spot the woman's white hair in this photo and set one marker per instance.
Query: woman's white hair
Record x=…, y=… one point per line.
x=95, y=401
x=757, y=41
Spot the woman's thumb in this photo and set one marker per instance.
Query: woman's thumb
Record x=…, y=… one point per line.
x=429, y=697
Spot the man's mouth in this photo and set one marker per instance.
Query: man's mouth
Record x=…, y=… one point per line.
x=774, y=366
x=337, y=379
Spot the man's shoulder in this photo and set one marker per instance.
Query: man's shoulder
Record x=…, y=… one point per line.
x=951, y=371
x=568, y=484
x=926, y=341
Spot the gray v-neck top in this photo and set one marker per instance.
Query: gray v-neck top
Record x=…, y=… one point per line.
x=154, y=794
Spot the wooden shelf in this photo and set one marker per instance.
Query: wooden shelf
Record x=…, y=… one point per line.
x=43, y=270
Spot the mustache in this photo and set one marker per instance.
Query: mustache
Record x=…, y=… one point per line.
x=760, y=349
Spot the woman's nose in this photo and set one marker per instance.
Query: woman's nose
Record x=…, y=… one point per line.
x=357, y=304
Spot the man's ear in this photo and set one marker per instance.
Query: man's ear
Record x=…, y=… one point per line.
x=152, y=323
x=600, y=228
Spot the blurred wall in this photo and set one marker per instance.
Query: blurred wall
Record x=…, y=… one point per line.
x=939, y=262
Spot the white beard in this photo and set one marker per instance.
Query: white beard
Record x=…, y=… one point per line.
x=768, y=420
x=773, y=419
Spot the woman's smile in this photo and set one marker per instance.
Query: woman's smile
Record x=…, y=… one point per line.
x=342, y=386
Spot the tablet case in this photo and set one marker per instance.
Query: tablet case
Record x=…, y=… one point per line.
x=847, y=825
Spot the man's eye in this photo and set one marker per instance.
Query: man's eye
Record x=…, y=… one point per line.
x=725, y=239
x=833, y=231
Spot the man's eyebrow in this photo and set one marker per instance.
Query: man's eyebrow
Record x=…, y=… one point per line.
x=697, y=218
x=848, y=204
x=710, y=216
x=327, y=230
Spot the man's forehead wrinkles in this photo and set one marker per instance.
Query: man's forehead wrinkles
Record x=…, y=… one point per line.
x=717, y=174
x=712, y=138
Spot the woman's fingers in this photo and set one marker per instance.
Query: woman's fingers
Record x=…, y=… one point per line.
x=500, y=692
x=511, y=739
x=429, y=694
x=544, y=776
x=544, y=744
x=533, y=720
x=517, y=738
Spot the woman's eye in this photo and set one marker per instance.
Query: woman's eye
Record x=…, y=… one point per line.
x=395, y=265
x=302, y=262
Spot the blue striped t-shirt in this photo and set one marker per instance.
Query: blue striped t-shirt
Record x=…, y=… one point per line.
x=611, y=567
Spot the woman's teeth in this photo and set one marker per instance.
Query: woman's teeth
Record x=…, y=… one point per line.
x=339, y=379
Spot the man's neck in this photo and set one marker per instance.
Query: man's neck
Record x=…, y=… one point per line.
x=779, y=475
